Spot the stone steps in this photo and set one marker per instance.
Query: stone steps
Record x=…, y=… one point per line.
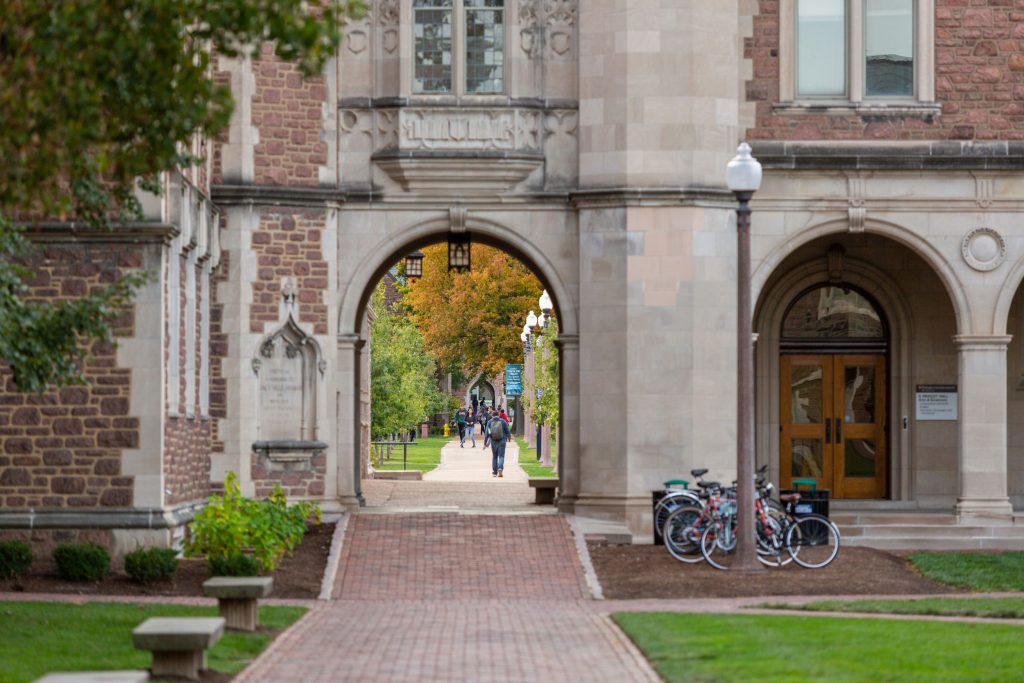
x=927, y=531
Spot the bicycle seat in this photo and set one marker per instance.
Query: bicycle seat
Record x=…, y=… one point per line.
x=675, y=482
x=708, y=484
x=698, y=473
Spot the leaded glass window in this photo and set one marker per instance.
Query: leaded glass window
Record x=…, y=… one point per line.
x=485, y=46
x=432, y=38
x=444, y=30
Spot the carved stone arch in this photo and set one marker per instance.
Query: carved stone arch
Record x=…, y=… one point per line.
x=392, y=247
x=898, y=233
x=1011, y=284
x=289, y=366
x=772, y=305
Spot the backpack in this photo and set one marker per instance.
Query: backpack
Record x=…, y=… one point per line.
x=497, y=429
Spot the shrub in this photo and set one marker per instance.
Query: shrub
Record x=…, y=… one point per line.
x=15, y=558
x=81, y=561
x=234, y=565
x=151, y=564
x=231, y=526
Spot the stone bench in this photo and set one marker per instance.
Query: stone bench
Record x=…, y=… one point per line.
x=178, y=644
x=238, y=598
x=545, y=489
x=96, y=677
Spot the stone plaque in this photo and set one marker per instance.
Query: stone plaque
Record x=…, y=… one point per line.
x=281, y=400
x=936, y=402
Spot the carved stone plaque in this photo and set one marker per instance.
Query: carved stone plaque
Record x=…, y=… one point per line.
x=281, y=386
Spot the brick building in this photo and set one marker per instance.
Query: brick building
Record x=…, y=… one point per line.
x=589, y=139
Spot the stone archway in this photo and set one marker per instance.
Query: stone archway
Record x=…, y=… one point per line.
x=923, y=348
x=372, y=261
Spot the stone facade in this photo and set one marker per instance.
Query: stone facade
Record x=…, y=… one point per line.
x=601, y=166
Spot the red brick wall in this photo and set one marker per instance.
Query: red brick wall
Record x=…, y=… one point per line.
x=979, y=80
x=288, y=244
x=186, y=461
x=287, y=110
x=64, y=448
x=297, y=483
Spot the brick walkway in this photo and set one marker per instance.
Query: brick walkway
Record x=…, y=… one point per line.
x=448, y=597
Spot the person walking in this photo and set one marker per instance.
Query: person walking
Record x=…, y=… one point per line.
x=471, y=428
x=460, y=422
x=497, y=429
x=484, y=419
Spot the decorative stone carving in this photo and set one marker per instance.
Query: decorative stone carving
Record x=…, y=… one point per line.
x=983, y=249
x=561, y=122
x=529, y=27
x=287, y=366
x=355, y=121
x=454, y=129
x=984, y=188
x=560, y=18
x=387, y=17
x=356, y=41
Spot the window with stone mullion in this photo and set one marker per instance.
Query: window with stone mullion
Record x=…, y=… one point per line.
x=432, y=36
x=485, y=46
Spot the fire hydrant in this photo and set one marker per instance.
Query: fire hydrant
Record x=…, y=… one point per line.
x=447, y=429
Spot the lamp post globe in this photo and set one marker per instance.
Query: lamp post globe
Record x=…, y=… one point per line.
x=743, y=175
x=545, y=303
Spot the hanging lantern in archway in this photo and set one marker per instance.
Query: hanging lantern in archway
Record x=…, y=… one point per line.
x=458, y=252
x=414, y=265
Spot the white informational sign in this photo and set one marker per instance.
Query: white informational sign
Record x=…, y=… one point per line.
x=936, y=402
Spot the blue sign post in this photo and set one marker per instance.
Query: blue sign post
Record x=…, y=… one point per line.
x=513, y=379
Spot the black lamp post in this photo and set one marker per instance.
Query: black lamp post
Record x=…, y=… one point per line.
x=743, y=176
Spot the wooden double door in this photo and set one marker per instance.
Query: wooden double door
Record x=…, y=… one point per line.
x=833, y=423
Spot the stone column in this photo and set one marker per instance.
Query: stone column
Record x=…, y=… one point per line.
x=982, y=414
x=568, y=421
x=348, y=418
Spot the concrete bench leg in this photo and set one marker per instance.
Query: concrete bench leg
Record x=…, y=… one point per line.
x=545, y=496
x=241, y=614
x=186, y=664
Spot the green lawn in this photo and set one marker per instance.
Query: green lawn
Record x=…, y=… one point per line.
x=39, y=637
x=997, y=608
x=997, y=571
x=716, y=647
x=424, y=455
x=528, y=459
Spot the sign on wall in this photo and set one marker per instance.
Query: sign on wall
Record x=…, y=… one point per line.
x=936, y=402
x=513, y=379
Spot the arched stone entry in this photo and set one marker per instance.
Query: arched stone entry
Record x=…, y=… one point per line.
x=919, y=326
x=481, y=390
x=549, y=253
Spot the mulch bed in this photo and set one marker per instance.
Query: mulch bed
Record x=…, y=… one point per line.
x=648, y=571
x=298, y=576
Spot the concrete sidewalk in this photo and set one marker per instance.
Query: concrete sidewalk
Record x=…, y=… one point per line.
x=474, y=464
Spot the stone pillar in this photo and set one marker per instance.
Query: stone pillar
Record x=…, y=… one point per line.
x=348, y=418
x=568, y=421
x=659, y=97
x=982, y=414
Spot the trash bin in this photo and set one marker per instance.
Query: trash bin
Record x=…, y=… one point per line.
x=812, y=499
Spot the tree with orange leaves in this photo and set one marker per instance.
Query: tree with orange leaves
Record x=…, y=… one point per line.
x=471, y=321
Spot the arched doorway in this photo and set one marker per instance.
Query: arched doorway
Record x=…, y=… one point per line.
x=833, y=365
x=542, y=254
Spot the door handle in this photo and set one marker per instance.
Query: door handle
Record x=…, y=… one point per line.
x=839, y=430
x=828, y=430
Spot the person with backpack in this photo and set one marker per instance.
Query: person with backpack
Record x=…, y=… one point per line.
x=498, y=430
x=485, y=418
x=460, y=422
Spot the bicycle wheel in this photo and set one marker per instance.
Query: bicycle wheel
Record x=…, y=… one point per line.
x=771, y=542
x=813, y=541
x=681, y=533
x=718, y=543
x=672, y=501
